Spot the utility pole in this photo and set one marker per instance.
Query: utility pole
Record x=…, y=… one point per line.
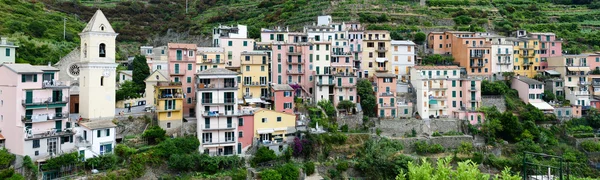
x=64, y=28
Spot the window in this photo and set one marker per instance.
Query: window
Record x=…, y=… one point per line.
x=245, y=43
x=29, y=78
x=264, y=120
x=102, y=50
x=107, y=132
x=169, y=114
x=189, y=100
x=240, y=122
x=7, y=52
x=206, y=137
x=247, y=68
x=229, y=136
x=278, y=119
x=262, y=68
x=36, y=143
x=240, y=134
x=102, y=81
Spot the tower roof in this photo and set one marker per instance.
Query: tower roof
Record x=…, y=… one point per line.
x=98, y=23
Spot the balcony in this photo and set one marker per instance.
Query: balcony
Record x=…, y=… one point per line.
x=230, y=126
x=226, y=101
x=527, y=47
x=216, y=86
x=248, y=95
x=343, y=74
x=387, y=105
x=36, y=103
x=211, y=142
x=30, y=134
x=439, y=87
x=529, y=55
x=170, y=96
x=262, y=48
x=381, y=49
x=503, y=63
x=580, y=93
x=255, y=84
x=178, y=72
x=356, y=50
x=44, y=117
x=222, y=114
x=295, y=62
x=357, y=59
x=325, y=83
x=440, y=97
x=213, y=61
x=386, y=94
x=477, y=55
x=574, y=73
x=80, y=142
x=381, y=69
x=472, y=89
x=54, y=84
x=295, y=53
x=167, y=109
x=290, y=72
x=341, y=54
x=477, y=65
x=595, y=83
x=169, y=84
x=475, y=100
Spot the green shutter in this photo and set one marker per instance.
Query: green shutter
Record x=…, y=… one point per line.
x=108, y=132
x=166, y=104
x=23, y=78
x=35, y=78
x=98, y=133
x=174, y=104
x=108, y=148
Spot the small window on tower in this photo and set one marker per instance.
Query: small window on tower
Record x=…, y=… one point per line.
x=102, y=81
x=102, y=27
x=85, y=50
x=102, y=50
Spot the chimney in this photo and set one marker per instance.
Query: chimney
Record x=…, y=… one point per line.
x=49, y=64
x=3, y=40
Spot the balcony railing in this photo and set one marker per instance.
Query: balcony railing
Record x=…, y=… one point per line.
x=213, y=61
x=595, y=83
x=295, y=62
x=248, y=95
x=54, y=84
x=30, y=134
x=178, y=72
x=341, y=54
x=262, y=48
x=474, y=99
x=294, y=72
x=80, y=142
x=44, y=101
x=217, y=113
x=381, y=69
x=217, y=86
x=343, y=74
x=44, y=117
x=387, y=105
x=325, y=83
x=580, y=93
x=529, y=55
x=477, y=65
x=170, y=96
x=386, y=94
x=472, y=89
x=381, y=49
x=169, y=84
x=295, y=53
x=218, y=127
x=255, y=84
x=477, y=55
x=217, y=101
x=214, y=141
x=503, y=63
x=168, y=109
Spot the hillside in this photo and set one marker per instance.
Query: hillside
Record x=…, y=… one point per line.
x=140, y=22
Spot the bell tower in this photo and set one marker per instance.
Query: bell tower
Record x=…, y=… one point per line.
x=97, y=69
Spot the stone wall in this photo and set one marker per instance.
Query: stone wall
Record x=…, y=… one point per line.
x=352, y=120
x=397, y=128
x=492, y=101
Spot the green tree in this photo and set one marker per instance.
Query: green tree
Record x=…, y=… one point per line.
x=289, y=172
x=37, y=28
x=548, y=96
x=327, y=107
x=270, y=174
x=420, y=37
x=309, y=168
x=127, y=90
x=346, y=104
x=140, y=72
x=5, y=158
x=154, y=134
x=367, y=98
x=263, y=154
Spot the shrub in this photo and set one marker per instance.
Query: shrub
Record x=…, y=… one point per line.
x=465, y=148
x=270, y=174
x=453, y=133
x=378, y=132
x=102, y=162
x=345, y=128
x=333, y=174
x=289, y=172
x=181, y=162
x=287, y=154
x=263, y=154
x=342, y=166
x=436, y=134
x=154, y=134
x=309, y=168
x=124, y=152
x=5, y=158
x=182, y=145
x=590, y=146
x=436, y=148
x=62, y=160
x=421, y=147
x=584, y=135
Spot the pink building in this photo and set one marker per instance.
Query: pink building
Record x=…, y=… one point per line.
x=531, y=91
x=355, y=36
x=344, y=73
x=245, y=131
x=292, y=61
x=593, y=60
x=550, y=46
x=385, y=93
x=182, y=68
x=283, y=98
x=34, y=111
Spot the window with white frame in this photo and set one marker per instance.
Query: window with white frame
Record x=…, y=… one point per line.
x=264, y=120
x=206, y=137
x=229, y=136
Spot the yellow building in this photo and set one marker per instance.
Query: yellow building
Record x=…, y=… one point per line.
x=254, y=83
x=527, y=61
x=271, y=125
x=376, y=53
x=210, y=57
x=169, y=102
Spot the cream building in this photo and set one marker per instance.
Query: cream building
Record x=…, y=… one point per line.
x=376, y=53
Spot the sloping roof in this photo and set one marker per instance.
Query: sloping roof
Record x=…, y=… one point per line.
x=217, y=71
x=128, y=72
x=98, y=21
x=435, y=67
x=552, y=72
x=182, y=46
x=47, y=68
x=156, y=73
x=282, y=87
x=99, y=124
x=527, y=80
x=541, y=105
x=23, y=68
x=394, y=42
x=385, y=75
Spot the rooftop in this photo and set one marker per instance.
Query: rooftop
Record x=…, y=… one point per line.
x=181, y=46
x=282, y=87
x=23, y=68
x=99, y=124
x=217, y=71
x=394, y=42
x=527, y=80
x=435, y=67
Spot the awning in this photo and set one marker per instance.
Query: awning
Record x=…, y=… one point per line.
x=552, y=72
x=579, y=68
x=573, y=68
x=1, y=137
x=381, y=59
x=586, y=69
x=264, y=131
x=541, y=105
x=254, y=100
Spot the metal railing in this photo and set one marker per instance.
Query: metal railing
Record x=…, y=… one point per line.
x=381, y=49
x=44, y=117
x=217, y=85
x=476, y=55
x=255, y=83
x=213, y=61
x=218, y=126
x=294, y=72
x=176, y=95
x=44, y=101
x=178, y=71
x=381, y=69
x=54, y=84
x=30, y=134
x=216, y=101
x=384, y=94
x=323, y=83
x=217, y=113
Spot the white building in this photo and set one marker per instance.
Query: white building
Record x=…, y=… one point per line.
x=403, y=57
x=94, y=138
x=125, y=76
x=501, y=54
x=322, y=36
x=217, y=110
x=7, y=51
